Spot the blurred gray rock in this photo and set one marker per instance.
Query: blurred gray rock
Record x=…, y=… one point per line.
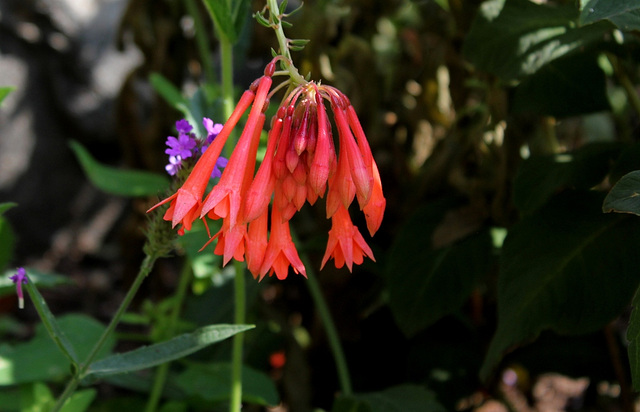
x=60, y=55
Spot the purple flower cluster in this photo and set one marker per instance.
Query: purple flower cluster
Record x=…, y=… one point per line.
x=187, y=145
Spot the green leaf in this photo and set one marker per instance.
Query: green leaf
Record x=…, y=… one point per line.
x=40, y=360
x=223, y=19
x=79, y=401
x=633, y=336
x=159, y=353
x=516, y=38
x=117, y=181
x=624, y=197
x=434, y=281
x=578, y=84
x=567, y=268
x=4, y=92
x=50, y=323
x=6, y=206
x=402, y=398
x=625, y=14
x=241, y=11
x=212, y=383
x=540, y=177
x=36, y=397
x=174, y=97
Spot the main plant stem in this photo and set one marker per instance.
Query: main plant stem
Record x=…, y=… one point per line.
x=145, y=268
x=238, y=340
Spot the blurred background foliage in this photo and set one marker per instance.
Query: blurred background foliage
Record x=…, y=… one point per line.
x=498, y=127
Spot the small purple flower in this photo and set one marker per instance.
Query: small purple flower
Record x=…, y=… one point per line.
x=213, y=130
x=20, y=278
x=175, y=163
x=183, y=126
x=182, y=146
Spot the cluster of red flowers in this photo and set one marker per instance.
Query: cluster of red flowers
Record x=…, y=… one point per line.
x=300, y=165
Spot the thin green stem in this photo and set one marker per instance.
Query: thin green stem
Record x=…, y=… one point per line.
x=201, y=41
x=283, y=42
x=228, y=100
x=145, y=268
x=330, y=328
x=238, y=340
x=162, y=371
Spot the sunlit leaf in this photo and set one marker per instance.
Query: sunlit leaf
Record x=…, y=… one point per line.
x=578, y=84
x=565, y=268
x=4, y=92
x=516, y=38
x=118, y=181
x=540, y=177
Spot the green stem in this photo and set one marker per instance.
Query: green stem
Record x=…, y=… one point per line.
x=145, y=268
x=201, y=41
x=228, y=100
x=238, y=339
x=163, y=370
x=283, y=42
x=330, y=328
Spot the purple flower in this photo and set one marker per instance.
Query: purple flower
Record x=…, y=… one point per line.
x=183, y=126
x=213, y=129
x=20, y=278
x=175, y=163
x=182, y=146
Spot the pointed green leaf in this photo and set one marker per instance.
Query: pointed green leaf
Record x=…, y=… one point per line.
x=4, y=92
x=241, y=10
x=401, y=398
x=117, y=181
x=566, y=268
x=623, y=13
x=435, y=281
x=516, y=38
x=221, y=16
x=50, y=323
x=159, y=353
x=624, y=197
x=212, y=383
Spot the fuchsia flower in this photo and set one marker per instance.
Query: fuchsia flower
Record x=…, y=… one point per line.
x=301, y=164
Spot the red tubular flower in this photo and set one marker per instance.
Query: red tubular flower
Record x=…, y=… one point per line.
x=281, y=251
x=346, y=244
x=300, y=165
x=186, y=202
